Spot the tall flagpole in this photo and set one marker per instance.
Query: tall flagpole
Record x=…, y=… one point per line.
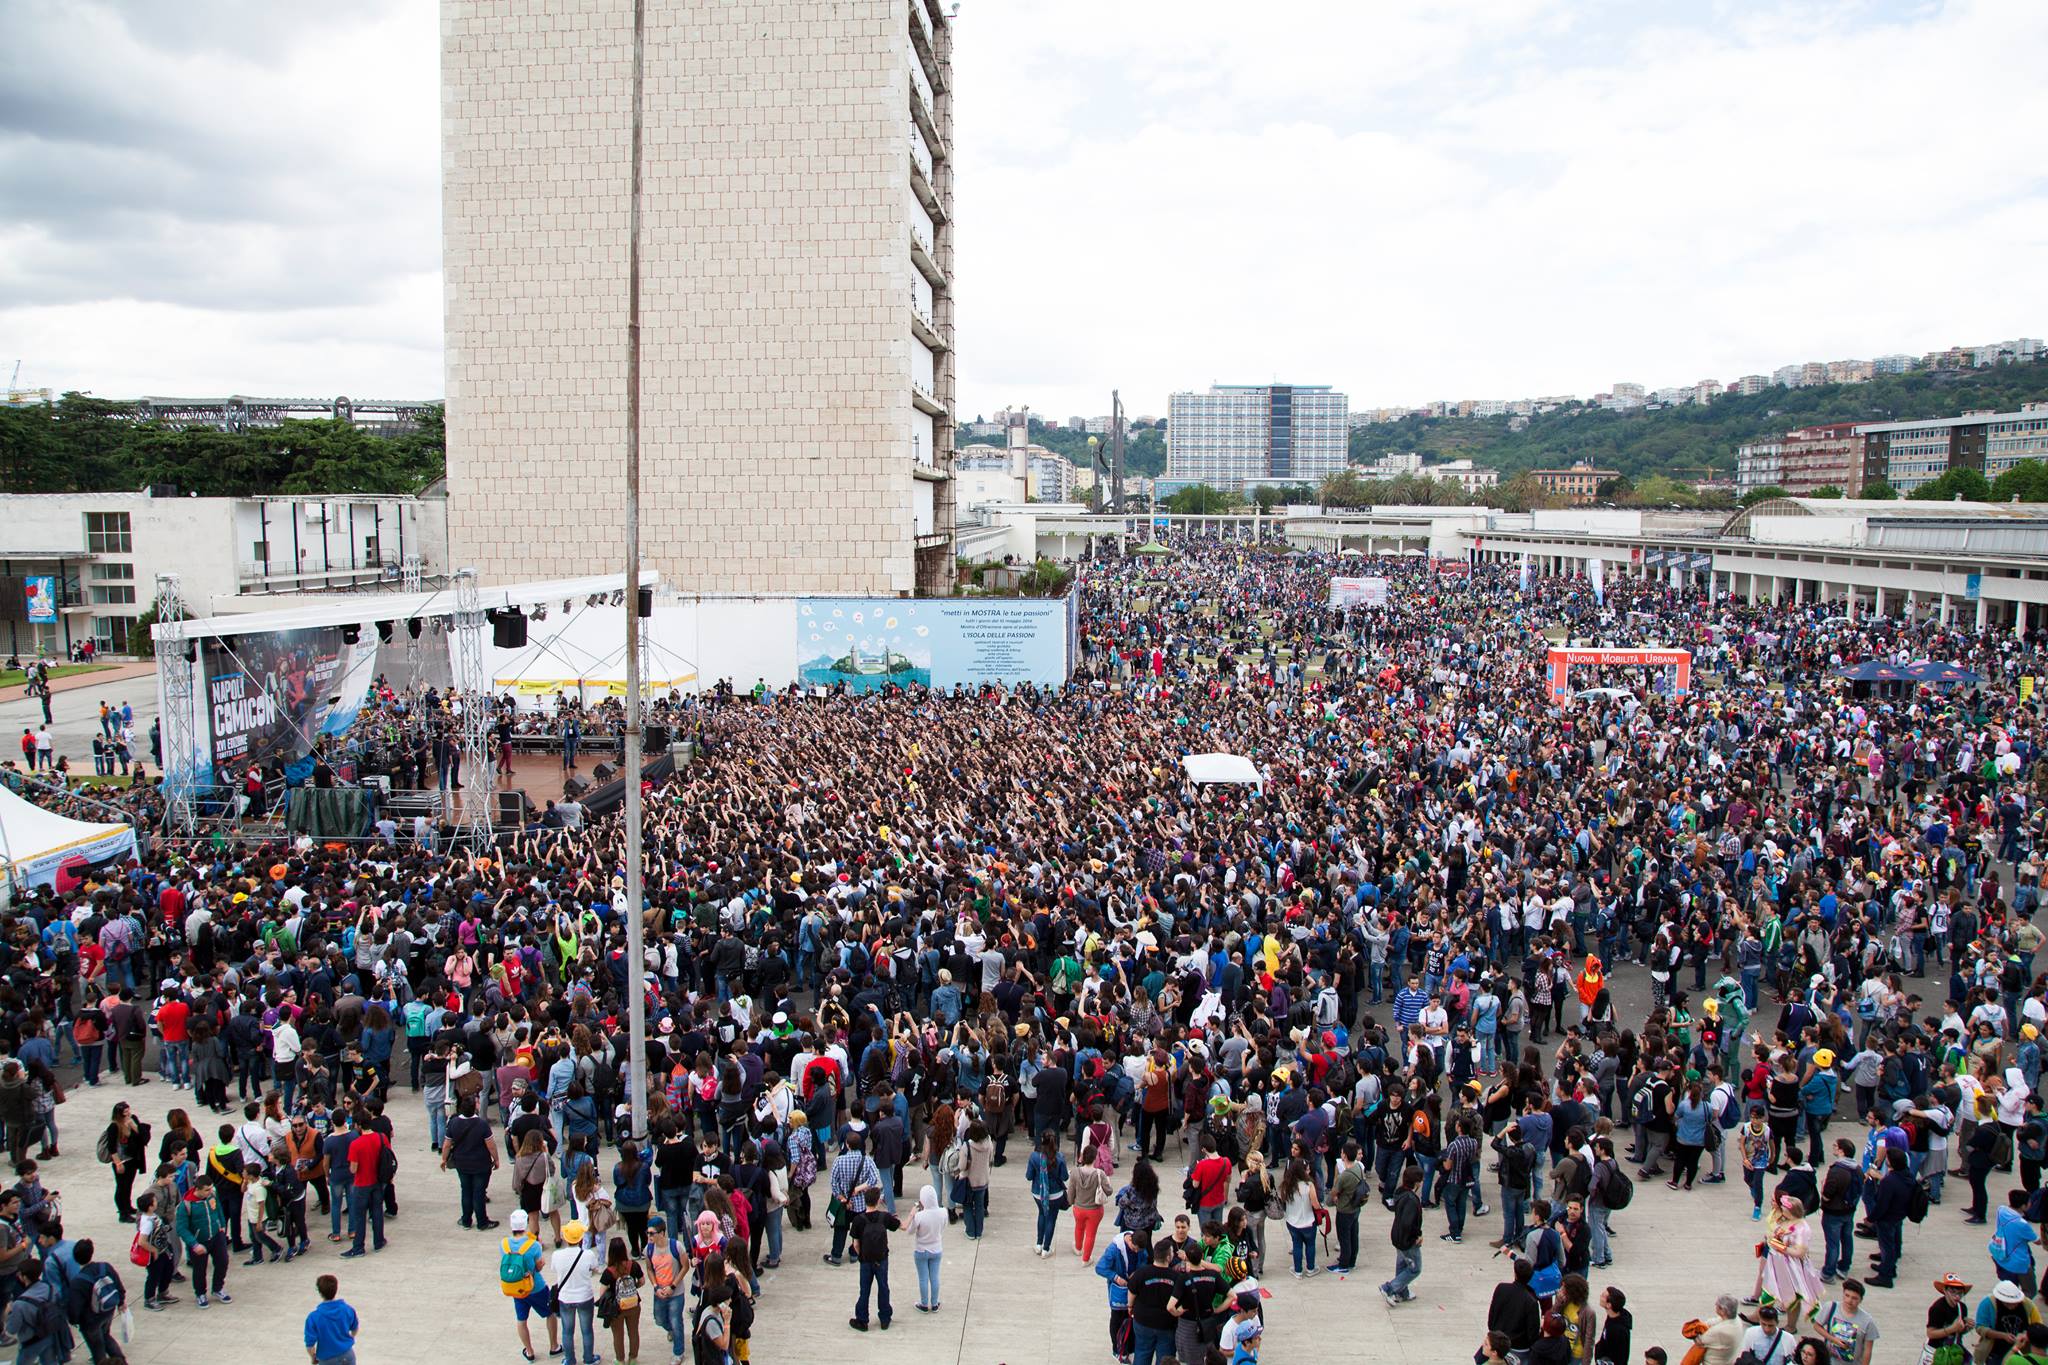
x=636, y=954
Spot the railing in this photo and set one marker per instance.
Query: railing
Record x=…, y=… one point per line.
x=920, y=154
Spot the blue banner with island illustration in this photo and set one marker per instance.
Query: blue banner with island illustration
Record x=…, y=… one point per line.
x=869, y=643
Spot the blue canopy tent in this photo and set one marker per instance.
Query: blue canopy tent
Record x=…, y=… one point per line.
x=1940, y=674
x=1871, y=670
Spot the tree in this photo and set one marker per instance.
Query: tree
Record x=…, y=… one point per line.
x=1764, y=494
x=1344, y=489
x=1201, y=500
x=2026, y=481
x=1826, y=491
x=1615, y=488
x=1966, y=484
x=1878, y=490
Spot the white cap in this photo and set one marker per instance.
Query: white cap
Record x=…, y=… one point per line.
x=519, y=1220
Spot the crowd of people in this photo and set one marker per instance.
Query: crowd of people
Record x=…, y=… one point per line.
x=901, y=941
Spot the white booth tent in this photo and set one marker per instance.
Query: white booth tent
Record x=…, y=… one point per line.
x=36, y=844
x=1221, y=769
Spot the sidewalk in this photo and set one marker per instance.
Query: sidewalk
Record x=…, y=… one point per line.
x=112, y=673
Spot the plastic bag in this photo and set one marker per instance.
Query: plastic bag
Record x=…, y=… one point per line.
x=127, y=1325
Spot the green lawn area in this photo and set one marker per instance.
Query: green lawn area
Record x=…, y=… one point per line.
x=14, y=677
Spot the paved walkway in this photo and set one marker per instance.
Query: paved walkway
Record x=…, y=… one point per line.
x=75, y=712
x=111, y=673
x=433, y=1294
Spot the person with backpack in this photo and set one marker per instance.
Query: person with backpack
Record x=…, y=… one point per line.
x=94, y=1298
x=36, y=1318
x=372, y=1164
x=667, y=1282
x=124, y=1145
x=1841, y=1193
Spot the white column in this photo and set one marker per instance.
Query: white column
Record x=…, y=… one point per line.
x=1752, y=587
x=1879, y=607
x=2019, y=618
x=1798, y=592
x=1943, y=609
x=1777, y=590
x=1983, y=612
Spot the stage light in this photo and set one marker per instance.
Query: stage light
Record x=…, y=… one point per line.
x=351, y=633
x=384, y=631
x=412, y=627
x=566, y=605
x=540, y=611
x=618, y=597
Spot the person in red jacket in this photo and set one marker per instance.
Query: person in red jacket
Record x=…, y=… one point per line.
x=173, y=1018
x=366, y=1196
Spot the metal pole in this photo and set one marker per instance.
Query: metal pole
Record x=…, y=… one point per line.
x=636, y=953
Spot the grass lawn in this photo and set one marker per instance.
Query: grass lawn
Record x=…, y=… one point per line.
x=14, y=677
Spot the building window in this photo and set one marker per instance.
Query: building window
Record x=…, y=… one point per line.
x=117, y=594
x=106, y=533
x=110, y=633
x=260, y=552
x=113, y=573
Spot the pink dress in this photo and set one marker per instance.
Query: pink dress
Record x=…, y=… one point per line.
x=1788, y=1275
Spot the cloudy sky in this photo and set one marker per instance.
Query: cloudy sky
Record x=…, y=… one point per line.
x=1471, y=198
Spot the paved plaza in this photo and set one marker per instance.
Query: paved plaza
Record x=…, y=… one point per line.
x=433, y=1295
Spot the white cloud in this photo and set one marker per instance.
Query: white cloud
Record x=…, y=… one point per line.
x=1482, y=198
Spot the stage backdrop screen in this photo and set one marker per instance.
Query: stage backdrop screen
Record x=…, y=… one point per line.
x=268, y=696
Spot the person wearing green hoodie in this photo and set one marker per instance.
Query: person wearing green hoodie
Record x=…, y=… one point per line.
x=203, y=1228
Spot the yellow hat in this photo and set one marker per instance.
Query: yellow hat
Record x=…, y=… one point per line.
x=1823, y=1058
x=572, y=1231
x=2029, y=1031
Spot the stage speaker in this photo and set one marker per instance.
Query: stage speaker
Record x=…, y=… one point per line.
x=508, y=630
x=656, y=739
x=576, y=786
x=384, y=631
x=512, y=808
x=605, y=772
x=351, y=633
x=644, y=600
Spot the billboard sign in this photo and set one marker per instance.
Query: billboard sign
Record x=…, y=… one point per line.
x=866, y=644
x=1358, y=592
x=40, y=593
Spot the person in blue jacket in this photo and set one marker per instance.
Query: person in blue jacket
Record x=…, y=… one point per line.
x=1118, y=1261
x=1817, y=1096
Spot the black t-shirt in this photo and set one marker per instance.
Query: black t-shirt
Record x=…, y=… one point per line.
x=1200, y=1284
x=1941, y=1313
x=1152, y=1286
x=527, y=1123
x=469, y=1142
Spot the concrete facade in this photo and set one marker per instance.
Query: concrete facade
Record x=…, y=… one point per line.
x=796, y=305
x=106, y=549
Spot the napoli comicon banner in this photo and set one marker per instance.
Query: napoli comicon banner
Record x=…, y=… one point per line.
x=867, y=644
x=267, y=697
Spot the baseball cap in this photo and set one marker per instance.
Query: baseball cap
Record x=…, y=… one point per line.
x=519, y=1220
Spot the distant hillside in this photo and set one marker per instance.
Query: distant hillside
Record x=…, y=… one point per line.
x=1144, y=449
x=1689, y=441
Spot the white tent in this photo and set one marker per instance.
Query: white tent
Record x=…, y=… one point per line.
x=42, y=845
x=1231, y=769
x=585, y=657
